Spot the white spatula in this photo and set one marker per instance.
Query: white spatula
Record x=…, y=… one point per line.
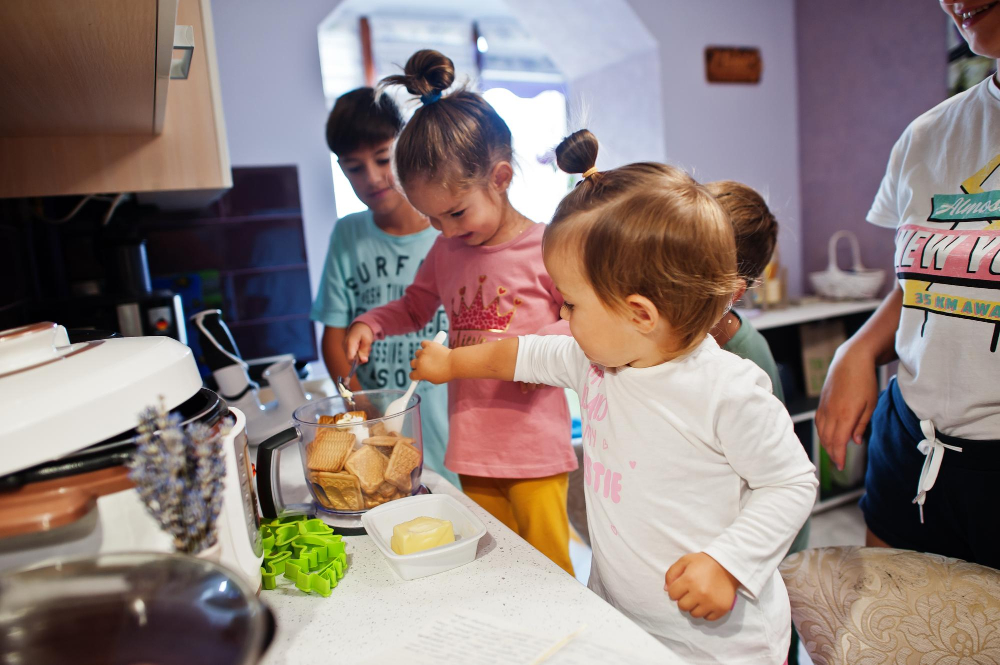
x=396, y=408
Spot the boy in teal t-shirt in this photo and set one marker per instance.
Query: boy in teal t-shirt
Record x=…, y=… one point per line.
x=372, y=259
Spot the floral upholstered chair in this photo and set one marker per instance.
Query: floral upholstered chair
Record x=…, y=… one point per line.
x=876, y=605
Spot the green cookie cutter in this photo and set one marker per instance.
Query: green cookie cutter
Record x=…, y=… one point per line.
x=322, y=580
x=305, y=551
x=274, y=565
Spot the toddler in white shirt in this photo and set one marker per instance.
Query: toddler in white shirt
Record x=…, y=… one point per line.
x=695, y=481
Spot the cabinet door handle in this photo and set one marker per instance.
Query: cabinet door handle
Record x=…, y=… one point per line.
x=183, y=42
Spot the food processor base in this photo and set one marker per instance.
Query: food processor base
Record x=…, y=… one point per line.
x=349, y=524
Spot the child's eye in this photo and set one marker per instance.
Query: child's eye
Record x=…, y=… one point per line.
x=354, y=169
x=568, y=306
x=383, y=162
x=458, y=214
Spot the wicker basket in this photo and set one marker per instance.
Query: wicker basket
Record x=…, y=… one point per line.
x=856, y=284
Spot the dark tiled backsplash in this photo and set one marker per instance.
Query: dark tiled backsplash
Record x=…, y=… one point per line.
x=14, y=269
x=264, y=190
x=224, y=244
x=245, y=254
x=268, y=338
x=264, y=295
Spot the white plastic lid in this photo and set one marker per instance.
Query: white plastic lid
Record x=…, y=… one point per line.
x=57, y=398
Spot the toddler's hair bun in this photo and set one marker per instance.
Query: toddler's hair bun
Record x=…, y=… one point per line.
x=578, y=152
x=426, y=72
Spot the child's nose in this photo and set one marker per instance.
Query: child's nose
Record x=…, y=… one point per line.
x=372, y=175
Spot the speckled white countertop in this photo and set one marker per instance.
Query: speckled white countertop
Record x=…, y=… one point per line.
x=373, y=609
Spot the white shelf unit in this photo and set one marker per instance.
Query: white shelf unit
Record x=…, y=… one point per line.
x=803, y=409
x=806, y=311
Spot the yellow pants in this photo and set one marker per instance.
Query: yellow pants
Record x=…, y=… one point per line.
x=533, y=508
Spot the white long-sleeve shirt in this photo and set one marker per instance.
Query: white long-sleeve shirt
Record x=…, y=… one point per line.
x=693, y=455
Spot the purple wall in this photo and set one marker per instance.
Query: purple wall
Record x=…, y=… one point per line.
x=738, y=132
x=865, y=70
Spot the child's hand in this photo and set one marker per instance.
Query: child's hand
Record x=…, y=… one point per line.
x=358, y=341
x=432, y=362
x=701, y=586
x=528, y=387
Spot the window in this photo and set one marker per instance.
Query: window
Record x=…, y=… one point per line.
x=492, y=53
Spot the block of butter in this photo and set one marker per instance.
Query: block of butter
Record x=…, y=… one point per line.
x=421, y=534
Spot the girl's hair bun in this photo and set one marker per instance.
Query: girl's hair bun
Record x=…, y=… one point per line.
x=578, y=152
x=426, y=72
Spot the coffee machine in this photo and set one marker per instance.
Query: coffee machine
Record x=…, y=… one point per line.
x=139, y=310
x=125, y=304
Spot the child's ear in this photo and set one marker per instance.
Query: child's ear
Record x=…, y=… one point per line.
x=642, y=313
x=739, y=292
x=501, y=176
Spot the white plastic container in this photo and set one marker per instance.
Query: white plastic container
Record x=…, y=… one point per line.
x=378, y=522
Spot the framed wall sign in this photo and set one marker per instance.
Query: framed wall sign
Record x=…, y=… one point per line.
x=733, y=64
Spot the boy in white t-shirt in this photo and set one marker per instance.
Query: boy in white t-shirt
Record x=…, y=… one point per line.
x=934, y=448
x=695, y=481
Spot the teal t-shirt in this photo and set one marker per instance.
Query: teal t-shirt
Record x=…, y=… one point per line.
x=750, y=344
x=365, y=268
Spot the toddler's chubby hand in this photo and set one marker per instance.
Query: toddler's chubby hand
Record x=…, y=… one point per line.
x=432, y=363
x=528, y=387
x=358, y=342
x=701, y=586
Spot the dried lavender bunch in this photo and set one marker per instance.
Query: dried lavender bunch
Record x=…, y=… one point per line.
x=178, y=473
x=202, y=499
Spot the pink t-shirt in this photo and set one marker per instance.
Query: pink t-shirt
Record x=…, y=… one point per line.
x=490, y=293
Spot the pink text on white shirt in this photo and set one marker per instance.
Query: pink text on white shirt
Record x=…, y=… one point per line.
x=595, y=474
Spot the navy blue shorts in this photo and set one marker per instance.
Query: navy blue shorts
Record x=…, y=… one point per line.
x=960, y=511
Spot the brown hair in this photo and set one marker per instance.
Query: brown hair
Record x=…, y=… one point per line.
x=647, y=229
x=359, y=119
x=755, y=227
x=455, y=140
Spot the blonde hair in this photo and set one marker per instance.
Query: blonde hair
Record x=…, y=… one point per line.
x=647, y=229
x=754, y=226
x=455, y=139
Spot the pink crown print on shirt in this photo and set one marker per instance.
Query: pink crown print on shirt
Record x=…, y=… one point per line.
x=479, y=317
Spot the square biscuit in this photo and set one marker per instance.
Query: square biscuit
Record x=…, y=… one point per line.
x=329, y=450
x=372, y=500
x=385, y=444
x=387, y=441
x=405, y=458
x=342, y=491
x=369, y=466
x=385, y=451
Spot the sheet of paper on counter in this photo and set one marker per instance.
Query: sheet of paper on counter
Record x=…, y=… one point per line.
x=472, y=638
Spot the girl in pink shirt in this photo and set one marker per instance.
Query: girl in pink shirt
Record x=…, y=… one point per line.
x=509, y=443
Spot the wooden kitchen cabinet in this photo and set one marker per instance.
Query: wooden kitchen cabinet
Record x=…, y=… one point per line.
x=82, y=119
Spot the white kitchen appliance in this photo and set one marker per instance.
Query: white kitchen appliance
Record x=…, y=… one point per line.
x=67, y=413
x=231, y=374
